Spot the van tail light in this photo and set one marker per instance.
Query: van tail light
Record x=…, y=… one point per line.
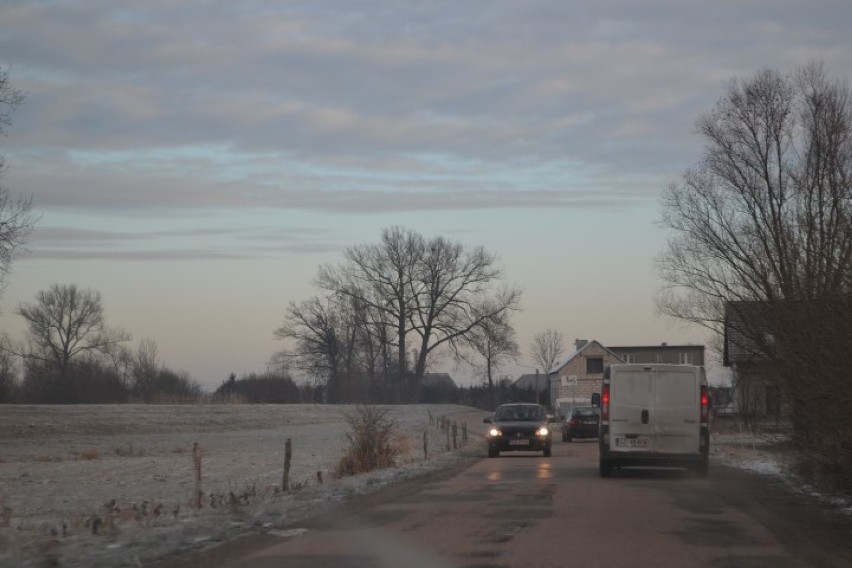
x=605, y=403
x=705, y=405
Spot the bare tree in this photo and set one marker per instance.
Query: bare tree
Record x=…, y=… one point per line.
x=66, y=321
x=546, y=347
x=434, y=290
x=763, y=226
x=379, y=277
x=314, y=326
x=16, y=216
x=494, y=341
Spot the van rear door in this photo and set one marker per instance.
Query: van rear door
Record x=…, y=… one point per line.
x=655, y=409
x=632, y=397
x=677, y=411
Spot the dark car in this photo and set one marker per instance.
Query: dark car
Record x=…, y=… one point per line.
x=583, y=422
x=518, y=427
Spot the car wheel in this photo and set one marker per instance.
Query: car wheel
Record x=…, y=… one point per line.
x=568, y=439
x=605, y=468
x=493, y=452
x=547, y=452
x=564, y=436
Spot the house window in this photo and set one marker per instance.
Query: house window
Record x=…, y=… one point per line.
x=594, y=366
x=629, y=358
x=685, y=358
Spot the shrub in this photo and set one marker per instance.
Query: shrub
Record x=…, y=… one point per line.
x=89, y=454
x=374, y=441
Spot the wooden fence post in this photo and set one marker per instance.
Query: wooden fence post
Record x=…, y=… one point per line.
x=197, y=453
x=425, y=445
x=455, y=435
x=288, y=454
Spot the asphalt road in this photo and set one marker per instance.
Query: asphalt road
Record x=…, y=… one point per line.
x=523, y=510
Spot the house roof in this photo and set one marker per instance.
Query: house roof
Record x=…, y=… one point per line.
x=570, y=357
x=528, y=381
x=438, y=379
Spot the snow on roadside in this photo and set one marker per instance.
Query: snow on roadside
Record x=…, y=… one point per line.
x=755, y=453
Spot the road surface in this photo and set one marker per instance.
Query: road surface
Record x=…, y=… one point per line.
x=524, y=510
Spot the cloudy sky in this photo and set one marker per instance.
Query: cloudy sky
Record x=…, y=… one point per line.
x=195, y=161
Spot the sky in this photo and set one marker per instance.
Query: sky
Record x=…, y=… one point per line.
x=195, y=162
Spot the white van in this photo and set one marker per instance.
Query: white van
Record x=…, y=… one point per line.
x=654, y=415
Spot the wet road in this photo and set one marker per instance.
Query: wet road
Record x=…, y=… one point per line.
x=523, y=510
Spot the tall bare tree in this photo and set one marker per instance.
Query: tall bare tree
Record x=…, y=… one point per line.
x=763, y=225
x=66, y=321
x=16, y=215
x=379, y=277
x=435, y=291
x=546, y=347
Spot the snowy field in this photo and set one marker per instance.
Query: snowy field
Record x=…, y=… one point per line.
x=129, y=469
x=60, y=466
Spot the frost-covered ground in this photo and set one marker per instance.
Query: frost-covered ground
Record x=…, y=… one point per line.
x=763, y=455
x=60, y=466
x=129, y=470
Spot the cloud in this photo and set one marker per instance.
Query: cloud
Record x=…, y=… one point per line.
x=261, y=104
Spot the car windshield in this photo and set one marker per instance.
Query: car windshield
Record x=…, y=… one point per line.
x=519, y=413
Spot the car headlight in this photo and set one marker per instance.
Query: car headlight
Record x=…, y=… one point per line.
x=494, y=432
x=543, y=431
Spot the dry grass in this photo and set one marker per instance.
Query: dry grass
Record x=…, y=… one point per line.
x=374, y=441
x=89, y=454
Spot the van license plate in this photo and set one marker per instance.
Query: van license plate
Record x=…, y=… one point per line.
x=631, y=442
x=523, y=442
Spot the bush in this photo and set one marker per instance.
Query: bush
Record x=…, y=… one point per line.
x=374, y=441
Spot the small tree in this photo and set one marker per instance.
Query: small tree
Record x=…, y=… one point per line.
x=494, y=342
x=546, y=347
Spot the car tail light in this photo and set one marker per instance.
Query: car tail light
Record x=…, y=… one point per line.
x=705, y=405
x=605, y=403
x=574, y=421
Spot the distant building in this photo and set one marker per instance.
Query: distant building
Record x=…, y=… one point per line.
x=580, y=374
x=536, y=382
x=438, y=380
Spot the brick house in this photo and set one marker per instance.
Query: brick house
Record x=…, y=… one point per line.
x=580, y=373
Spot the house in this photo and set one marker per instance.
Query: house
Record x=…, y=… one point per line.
x=749, y=336
x=580, y=374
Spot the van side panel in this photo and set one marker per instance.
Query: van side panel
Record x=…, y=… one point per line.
x=676, y=412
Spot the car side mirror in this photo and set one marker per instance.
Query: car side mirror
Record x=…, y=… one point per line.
x=487, y=421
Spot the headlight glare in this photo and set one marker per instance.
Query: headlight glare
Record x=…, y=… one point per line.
x=543, y=431
x=494, y=432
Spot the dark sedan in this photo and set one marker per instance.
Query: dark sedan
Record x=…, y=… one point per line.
x=518, y=427
x=583, y=422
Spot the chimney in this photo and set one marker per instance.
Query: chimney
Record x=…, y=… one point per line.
x=580, y=343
